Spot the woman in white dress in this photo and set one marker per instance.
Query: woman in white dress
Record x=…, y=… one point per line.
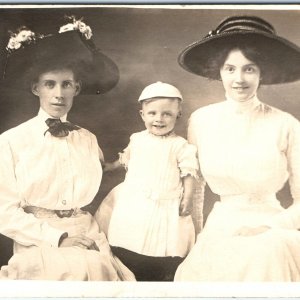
x=50, y=169
x=247, y=150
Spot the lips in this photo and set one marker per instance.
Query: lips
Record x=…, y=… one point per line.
x=240, y=88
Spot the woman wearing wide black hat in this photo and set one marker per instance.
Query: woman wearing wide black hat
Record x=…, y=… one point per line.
x=51, y=168
x=247, y=150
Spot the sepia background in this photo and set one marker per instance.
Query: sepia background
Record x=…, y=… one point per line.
x=145, y=42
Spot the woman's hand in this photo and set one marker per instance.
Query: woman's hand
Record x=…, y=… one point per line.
x=81, y=241
x=250, y=231
x=185, y=207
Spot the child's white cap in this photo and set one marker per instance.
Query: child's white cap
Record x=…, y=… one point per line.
x=160, y=89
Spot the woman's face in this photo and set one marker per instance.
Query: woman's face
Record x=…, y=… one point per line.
x=56, y=90
x=240, y=76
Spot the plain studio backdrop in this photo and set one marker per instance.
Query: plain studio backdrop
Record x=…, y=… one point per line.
x=145, y=42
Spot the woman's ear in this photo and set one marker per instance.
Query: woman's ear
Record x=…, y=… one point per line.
x=179, y=115
x=78, y=87
x=34, y=89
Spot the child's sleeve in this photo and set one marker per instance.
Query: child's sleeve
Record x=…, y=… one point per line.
x=187, y=161
x=124, y=156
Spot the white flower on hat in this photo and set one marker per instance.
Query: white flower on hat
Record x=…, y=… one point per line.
x=67, y=27
x=13, y=44
x=25, y=36
x=77, y=25
x=22, y=37
x=84, y=29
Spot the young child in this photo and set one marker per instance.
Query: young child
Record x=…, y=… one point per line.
x=151, y=228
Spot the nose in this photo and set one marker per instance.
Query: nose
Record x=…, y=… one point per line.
x=239, y=76
x=158, y=118
x=58, y=93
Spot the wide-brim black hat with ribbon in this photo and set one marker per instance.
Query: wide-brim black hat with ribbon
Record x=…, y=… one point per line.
x=97, y=72
x=282, y=55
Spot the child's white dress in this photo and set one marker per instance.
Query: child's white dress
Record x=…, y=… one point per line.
x=145, y=217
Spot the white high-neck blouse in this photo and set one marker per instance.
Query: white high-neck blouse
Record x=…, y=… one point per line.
x=249, y=148
x=41, y=170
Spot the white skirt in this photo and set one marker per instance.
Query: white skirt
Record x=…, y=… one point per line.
x=220, y=255
x=67, y=263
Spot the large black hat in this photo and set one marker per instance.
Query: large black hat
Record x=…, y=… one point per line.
x=29, y=53
x=282, y=55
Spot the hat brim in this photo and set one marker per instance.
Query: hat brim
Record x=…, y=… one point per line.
x=99, y=73
x=283, y=56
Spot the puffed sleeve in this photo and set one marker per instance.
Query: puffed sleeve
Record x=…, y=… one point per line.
x=187, y=161
x=290, y=217
x=14, y=222
x=124, y=156
x=198, y=198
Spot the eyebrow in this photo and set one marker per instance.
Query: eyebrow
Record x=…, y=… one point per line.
x=53, y=80
x=247, y=65
x=165, y=111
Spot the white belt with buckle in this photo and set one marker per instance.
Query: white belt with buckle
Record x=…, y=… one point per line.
x=41, y=212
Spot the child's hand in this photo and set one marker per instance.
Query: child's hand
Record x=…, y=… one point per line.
x=185, y=207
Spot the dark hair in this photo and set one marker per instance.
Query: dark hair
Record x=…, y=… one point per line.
x=250, y=51
x=79, y=70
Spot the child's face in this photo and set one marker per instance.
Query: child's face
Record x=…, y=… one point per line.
x=160, y=115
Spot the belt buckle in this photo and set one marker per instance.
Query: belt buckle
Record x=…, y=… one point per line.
x=64, y=213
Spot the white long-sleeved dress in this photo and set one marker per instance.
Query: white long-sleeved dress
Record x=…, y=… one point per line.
x=247, y=151
x=44, y=171
x=145, y=217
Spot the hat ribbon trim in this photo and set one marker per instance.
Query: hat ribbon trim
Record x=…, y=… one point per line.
x=238, y=29
x=246, y=22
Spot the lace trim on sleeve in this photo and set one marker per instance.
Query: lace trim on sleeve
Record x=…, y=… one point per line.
x=189, y=171
x=123, y=159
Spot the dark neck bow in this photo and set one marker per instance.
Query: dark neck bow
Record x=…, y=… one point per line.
x=58, y=128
